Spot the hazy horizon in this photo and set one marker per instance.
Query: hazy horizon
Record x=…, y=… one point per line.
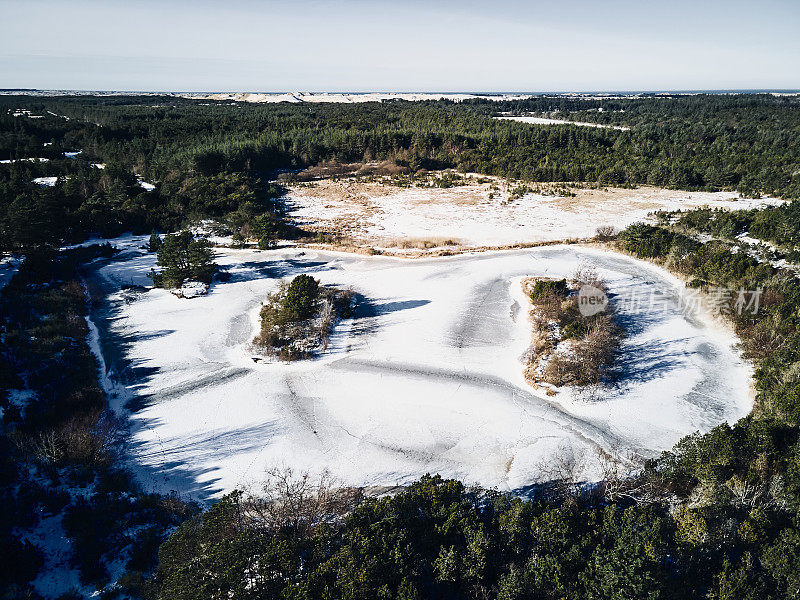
x=427, y=47
x=410, y=91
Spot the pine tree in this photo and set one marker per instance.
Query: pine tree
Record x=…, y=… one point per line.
x=184, y=257
x=154, y=245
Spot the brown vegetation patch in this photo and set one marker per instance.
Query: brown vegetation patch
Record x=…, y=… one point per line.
x=569, y=347
x=421, y=243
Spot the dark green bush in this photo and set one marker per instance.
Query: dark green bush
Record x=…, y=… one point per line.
x=301, y=296
x=546, y=287
x=184, y=257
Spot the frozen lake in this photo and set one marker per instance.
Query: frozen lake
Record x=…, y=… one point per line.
x=426, y=378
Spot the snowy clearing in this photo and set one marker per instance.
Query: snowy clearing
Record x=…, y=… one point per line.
x=481, y=214
x=9, y=266
x=426, y=378
x=544, y=121
x=16, y=160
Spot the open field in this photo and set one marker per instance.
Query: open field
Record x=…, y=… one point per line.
x=545, y=121
x=426, y=378
x=480, y=214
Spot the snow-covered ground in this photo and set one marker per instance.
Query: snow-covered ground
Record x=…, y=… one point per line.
x=24, y=112
x=16, y=160
x=480, y=215
x=544, y=121
x=9, y=266
x=426, y=378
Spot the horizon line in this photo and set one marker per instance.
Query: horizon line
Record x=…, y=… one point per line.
x=410, y=91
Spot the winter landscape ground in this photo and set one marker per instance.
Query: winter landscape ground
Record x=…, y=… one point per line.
x=481, y=212
x=186, y=415
x=427, y=376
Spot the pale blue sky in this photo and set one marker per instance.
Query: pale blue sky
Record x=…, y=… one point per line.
x=306, y=45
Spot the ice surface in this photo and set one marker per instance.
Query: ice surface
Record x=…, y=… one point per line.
x=426, y=378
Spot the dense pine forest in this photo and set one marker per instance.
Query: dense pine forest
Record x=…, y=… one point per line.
x=717, y=517
x=217, y=159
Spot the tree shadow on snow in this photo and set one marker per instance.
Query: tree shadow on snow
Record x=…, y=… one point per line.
x=640, y=362
x=368, y=311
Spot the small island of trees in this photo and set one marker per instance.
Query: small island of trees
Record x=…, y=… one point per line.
x=297, y=319
x=182, y=258
x=570, y=346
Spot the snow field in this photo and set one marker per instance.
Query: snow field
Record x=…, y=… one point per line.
x=426, y=378
x=478, y=216
x=544, y=121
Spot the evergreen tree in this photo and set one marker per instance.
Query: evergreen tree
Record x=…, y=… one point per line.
x=300, y=298
x=154, y=245
x=183, y=257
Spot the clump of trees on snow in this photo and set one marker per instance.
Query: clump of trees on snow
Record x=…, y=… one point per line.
x=568, y=346
x=182, y=257
x=297, y=319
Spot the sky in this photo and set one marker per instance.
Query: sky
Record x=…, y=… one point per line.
x=416, y=45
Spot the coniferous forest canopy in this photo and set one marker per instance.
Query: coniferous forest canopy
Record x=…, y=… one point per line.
x=717, y=517
x=215, y=158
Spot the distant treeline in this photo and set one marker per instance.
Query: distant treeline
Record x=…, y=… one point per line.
x=212, y=158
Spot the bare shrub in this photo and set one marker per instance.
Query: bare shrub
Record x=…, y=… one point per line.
x=761, y=340
x=588, y=275
x=606, y=232
x=383, y=168
x=601, y=342
x=422, y=243
x=562, y=469
x=619, y=478
x=540, y=341
x=47, y=448
x=88, y=439
x=559, y=370
x=298, y=503
x=327, y=314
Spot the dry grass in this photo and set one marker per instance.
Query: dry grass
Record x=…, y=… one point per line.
x=425, y=243
x=353, y=198
x=567, y=347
